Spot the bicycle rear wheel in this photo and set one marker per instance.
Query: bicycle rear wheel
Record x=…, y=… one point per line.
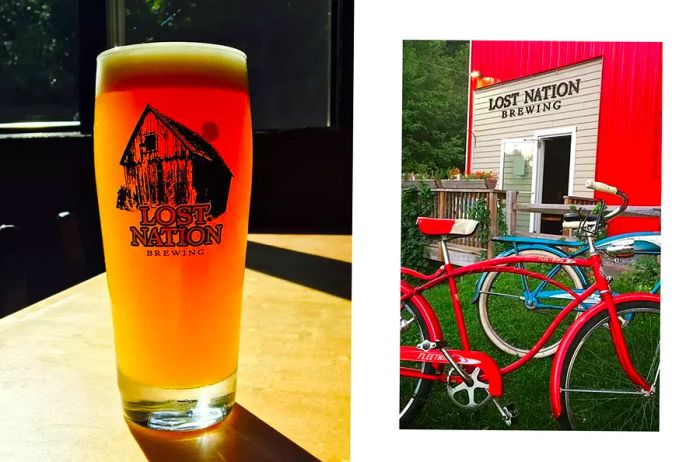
x=413, y=392
x=596, y=393
x=513, y=325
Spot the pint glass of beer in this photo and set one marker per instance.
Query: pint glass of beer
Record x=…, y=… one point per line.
x=173, y=161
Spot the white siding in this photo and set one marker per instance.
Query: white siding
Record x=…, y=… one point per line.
x=579, y=110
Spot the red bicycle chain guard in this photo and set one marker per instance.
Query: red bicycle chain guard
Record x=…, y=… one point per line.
x=489, y=368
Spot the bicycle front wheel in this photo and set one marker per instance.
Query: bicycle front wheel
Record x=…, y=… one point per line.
x=596, y=393
x=515, y=310
x=413, y=392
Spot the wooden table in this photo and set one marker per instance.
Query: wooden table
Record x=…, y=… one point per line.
x=58, y=391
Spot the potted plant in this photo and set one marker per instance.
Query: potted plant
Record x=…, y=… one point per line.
x=474, y=180
x=454, y=179
x=481, y=180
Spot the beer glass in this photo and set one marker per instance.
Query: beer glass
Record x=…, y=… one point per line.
x=173, y=161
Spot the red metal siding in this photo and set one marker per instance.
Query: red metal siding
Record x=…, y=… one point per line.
x=629, y=131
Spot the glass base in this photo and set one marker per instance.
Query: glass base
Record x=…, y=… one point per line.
x=181, y=409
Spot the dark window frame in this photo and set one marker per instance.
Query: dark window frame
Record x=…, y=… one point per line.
x=95, y=35
x=154, y=137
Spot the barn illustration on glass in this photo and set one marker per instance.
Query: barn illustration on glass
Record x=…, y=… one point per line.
x=167, y=163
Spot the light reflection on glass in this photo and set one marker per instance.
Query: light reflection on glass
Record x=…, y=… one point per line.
x=525, y=149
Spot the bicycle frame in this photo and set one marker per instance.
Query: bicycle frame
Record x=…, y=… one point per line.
x=447, y=273
x=641, y=247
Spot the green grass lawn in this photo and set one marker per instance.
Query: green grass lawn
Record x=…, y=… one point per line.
x=527, y=387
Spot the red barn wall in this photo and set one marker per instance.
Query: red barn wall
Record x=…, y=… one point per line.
x=177, y=168
x=629, y=132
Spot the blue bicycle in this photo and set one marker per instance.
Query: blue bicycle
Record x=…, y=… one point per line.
x=513, y=309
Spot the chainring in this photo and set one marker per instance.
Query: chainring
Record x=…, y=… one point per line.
x=471, y=397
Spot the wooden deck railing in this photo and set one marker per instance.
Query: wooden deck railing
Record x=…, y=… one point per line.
x=578, y=200
x=584, y=204
x=455, y=203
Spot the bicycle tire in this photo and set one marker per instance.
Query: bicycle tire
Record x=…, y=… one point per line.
x=414, y=391
x=591, y=408
x=509, y=325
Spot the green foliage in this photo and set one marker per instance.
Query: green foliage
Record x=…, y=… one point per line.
x=479, y=211
x=599, y=207
x=415, y=202
x=154, y=5
x=499, y=247
x=38, y=59
x=641, y=277
x=435, y=79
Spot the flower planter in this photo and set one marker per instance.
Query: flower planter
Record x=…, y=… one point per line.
x=479, y=183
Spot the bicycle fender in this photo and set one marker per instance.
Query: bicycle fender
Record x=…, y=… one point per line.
x=492, y=372
x=423, y=306
x=558, y=362
x=642, y=246
x=510, y=252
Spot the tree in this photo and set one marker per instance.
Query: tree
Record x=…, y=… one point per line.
x=38, y=59
x=435, y=87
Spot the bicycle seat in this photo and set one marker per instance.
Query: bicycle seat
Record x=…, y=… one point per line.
x=446, y=226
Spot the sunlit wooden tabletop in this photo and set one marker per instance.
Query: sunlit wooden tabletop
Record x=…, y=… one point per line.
x=58, y=390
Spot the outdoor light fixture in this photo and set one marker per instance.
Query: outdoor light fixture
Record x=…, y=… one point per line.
x=481, y=81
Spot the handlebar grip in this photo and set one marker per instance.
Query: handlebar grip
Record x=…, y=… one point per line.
x=588, y=224
x=571, y=224
x=602, y=187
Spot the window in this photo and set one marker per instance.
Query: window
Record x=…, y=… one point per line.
x=300, y=59
x=517, y=173
x=288, y=46
x=38, y=62
x=149, y=142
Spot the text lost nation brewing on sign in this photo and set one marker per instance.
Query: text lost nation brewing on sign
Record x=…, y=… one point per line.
x=534, y=100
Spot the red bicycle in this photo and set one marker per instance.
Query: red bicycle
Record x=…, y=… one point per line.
x=605, y=374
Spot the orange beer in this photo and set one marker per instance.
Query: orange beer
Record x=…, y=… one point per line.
x=173, y=161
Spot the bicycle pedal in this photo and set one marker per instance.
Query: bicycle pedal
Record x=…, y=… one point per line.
x=513, y=411
x=508, y=413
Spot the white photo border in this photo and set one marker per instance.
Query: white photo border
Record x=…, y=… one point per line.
x=380, y=28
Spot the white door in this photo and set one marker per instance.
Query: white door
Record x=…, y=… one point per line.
x=541, y=160
x=519, y=167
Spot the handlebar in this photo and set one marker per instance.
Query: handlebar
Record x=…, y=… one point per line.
x=590, y=223
x=604, y=188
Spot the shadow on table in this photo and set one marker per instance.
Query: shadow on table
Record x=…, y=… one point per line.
x=240, y=437
x=320, y=273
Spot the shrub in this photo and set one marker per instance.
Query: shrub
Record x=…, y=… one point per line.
x=479, y=211
x=641, y=277
x=415, y=202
